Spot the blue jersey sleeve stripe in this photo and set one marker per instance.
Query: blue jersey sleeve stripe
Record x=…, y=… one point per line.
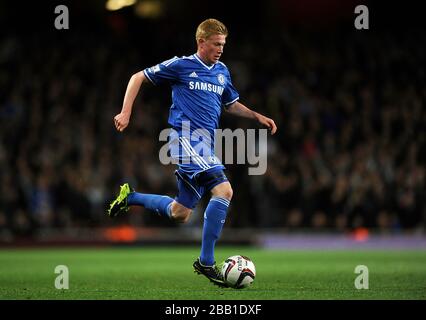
x=146, y=75
x=170, y=61
x=231, y=102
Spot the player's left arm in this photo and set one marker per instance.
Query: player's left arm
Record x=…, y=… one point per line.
x=240, y=110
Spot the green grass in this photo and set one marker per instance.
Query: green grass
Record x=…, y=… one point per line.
x=166, y=273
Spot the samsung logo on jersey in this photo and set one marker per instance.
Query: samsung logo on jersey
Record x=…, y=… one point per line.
x=195, y=85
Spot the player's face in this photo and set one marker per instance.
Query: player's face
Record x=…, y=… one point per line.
x=211, y=48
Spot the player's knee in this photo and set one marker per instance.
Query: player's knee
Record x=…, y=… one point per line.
x=180, y=216
x=223, y=190
x=228, y=193
x=180, y=213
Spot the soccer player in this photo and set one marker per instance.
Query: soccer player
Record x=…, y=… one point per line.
x=201, y=86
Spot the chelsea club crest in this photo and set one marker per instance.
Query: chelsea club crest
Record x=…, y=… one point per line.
x=221, y=79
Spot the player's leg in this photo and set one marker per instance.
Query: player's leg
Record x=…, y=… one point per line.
x=189, y=194
x=214, y=218
x=160, y=204
x=178, y=209
x=179, y=212
x=127, y=197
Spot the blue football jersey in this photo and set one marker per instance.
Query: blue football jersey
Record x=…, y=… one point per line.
x=198, y=91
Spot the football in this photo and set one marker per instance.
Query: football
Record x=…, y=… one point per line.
x=238, y=272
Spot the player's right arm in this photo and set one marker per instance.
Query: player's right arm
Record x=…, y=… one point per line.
x=121, y=120
x=160, y=73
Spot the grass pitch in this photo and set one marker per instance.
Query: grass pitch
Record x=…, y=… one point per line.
x=166, y=273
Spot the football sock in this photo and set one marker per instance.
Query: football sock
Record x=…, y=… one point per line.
x=214, y=219
x=158, y=203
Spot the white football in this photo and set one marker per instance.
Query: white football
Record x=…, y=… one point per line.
x=238, y=271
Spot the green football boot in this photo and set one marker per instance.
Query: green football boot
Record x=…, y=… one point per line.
x=119, y=205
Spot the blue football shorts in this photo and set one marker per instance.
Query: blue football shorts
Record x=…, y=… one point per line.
x=191, y=190
x=199, y=170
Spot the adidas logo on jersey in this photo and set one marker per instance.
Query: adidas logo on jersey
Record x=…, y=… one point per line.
x=193, y=75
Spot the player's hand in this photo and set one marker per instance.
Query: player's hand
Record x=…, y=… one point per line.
x=269, y=123
x=121, y=121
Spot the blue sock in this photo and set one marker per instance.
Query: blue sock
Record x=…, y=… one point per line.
x=214, y=218
x=160, y=204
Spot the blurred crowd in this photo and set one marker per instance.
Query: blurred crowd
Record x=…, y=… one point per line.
x=349, y=151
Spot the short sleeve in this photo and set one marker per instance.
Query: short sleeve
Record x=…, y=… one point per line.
x=164, y=72
x=230, y=94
